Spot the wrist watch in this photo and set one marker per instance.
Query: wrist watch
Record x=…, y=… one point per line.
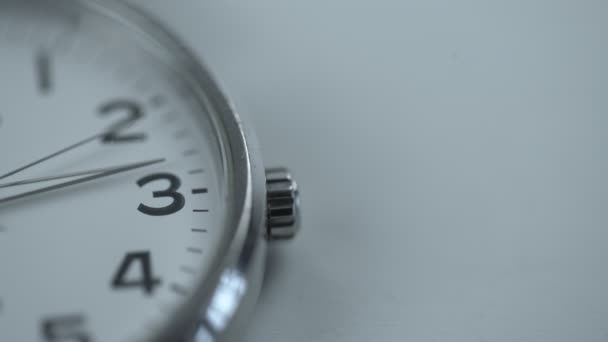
x=133, y=202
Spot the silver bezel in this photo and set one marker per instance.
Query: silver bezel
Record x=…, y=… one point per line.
x=244, y=251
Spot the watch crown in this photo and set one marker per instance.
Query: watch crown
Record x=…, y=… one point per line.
x=283, y=205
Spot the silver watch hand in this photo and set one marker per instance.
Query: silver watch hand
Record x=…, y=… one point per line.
x=55, y=154
x=73, y=182
x=80, y=173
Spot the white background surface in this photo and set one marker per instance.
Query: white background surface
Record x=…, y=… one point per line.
x=452, y=159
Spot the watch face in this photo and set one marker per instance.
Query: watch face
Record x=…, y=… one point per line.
x=112, y=184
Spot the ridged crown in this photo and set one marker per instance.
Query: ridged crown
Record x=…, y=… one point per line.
x=282, y=205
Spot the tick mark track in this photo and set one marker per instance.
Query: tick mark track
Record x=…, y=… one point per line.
x=181, y=134
x=200, y=191
x=194, y=250
x=196, y=171
x=179, y=289
x=200, y=210
x=158, y=100
x=199, y=230
x=189, y=153
x=170, y=117
x=187, y=269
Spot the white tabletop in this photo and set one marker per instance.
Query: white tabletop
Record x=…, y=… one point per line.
x=452, y=159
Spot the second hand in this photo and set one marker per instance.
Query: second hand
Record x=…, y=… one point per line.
x=81, y=173
x=55, y=154
x=75, y=182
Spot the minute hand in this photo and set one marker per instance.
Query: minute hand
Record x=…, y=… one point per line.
x=81, y=173
x=75, y=182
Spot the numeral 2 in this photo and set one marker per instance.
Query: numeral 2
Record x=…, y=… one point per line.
x=134, y=114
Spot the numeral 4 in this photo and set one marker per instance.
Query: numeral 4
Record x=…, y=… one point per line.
x=146, y=281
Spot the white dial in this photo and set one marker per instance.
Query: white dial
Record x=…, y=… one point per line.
x=111, y=179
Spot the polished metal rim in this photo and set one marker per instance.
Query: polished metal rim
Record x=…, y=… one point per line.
x=238, y=264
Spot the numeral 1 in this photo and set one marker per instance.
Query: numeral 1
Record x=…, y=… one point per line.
x=43, y=68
